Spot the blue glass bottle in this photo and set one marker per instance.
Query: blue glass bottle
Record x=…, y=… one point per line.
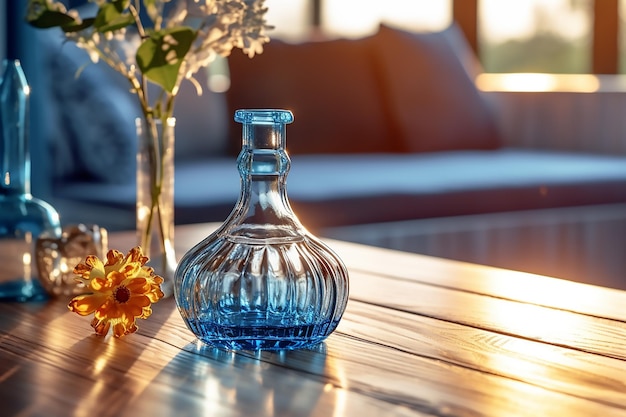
x=261, y=280
x=22, y=217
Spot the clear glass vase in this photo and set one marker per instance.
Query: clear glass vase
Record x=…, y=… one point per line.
x=23, y=218
x=155, y=196
x=261, y=280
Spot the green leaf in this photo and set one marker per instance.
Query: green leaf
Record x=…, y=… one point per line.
x=111, y=16
x=121, y=5
x=159, y=57
x=49, y=18
x=74, y=27
x=151, y=9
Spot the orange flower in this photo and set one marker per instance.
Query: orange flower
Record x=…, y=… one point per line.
x=122, y=291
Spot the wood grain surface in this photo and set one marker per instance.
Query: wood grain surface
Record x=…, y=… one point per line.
x=421, y=336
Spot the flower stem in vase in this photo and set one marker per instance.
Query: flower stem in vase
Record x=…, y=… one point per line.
x=155, y=194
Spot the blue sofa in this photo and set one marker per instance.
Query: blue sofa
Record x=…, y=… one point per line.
x=388, y=128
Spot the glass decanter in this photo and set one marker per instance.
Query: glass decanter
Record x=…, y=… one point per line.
x=22, y=218
x=261, y=280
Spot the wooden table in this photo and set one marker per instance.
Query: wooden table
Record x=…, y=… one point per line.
x=421, y=336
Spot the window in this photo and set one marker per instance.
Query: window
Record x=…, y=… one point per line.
x=291, y=19
x=622, y=36
x=356, y=18
x=535, y=35
x=556, y=36
x=353, y=18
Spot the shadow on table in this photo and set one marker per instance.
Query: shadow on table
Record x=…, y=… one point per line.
x=202, y=380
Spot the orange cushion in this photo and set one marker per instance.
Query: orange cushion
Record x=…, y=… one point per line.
x=434, y=104
x=330, y=86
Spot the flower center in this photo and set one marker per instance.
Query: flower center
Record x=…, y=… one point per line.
x=121, y=294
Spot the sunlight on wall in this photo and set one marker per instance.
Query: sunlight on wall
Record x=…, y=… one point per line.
x=532, y=82
x=503, y=20
x=500, y=20
x=353, y=18
x=622, y=36
x=552, y=36
x=290, y=19
x=509, y=19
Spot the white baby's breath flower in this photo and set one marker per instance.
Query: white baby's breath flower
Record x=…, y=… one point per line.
x=89, y=45
x=125, y=44
x=218, y=26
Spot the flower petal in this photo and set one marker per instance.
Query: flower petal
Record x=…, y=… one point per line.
x=100, y=284
x=90, y=269
x=137, y=285
x=140, y=301
x=116, y=278
x=155, y=294
x=147, y=311
x=136, y=255
x=122, y=328
x=101, y=326
x=115, y=261
x=132, y=309
x=107, y=310
x=87, y=303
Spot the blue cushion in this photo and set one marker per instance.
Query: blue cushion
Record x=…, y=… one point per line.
x=92, y=133
x=433, y=103
x=94, y=111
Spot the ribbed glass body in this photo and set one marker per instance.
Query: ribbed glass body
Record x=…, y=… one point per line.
x=262, y=281
x=22, y=217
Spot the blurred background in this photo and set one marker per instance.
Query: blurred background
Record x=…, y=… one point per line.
x=512, y=35
x=585, y=39
x=554, y=36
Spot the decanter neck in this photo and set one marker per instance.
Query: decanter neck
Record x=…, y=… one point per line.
x=14, y=155
x=263, y=156
x=263, y=166
x=264, y=136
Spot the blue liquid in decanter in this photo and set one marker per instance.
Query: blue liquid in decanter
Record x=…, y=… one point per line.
x=23, y=218
x=261, y=280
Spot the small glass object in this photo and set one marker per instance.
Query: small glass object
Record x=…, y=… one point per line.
x=261, y=280
x=57, y=257
x=22, y=217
